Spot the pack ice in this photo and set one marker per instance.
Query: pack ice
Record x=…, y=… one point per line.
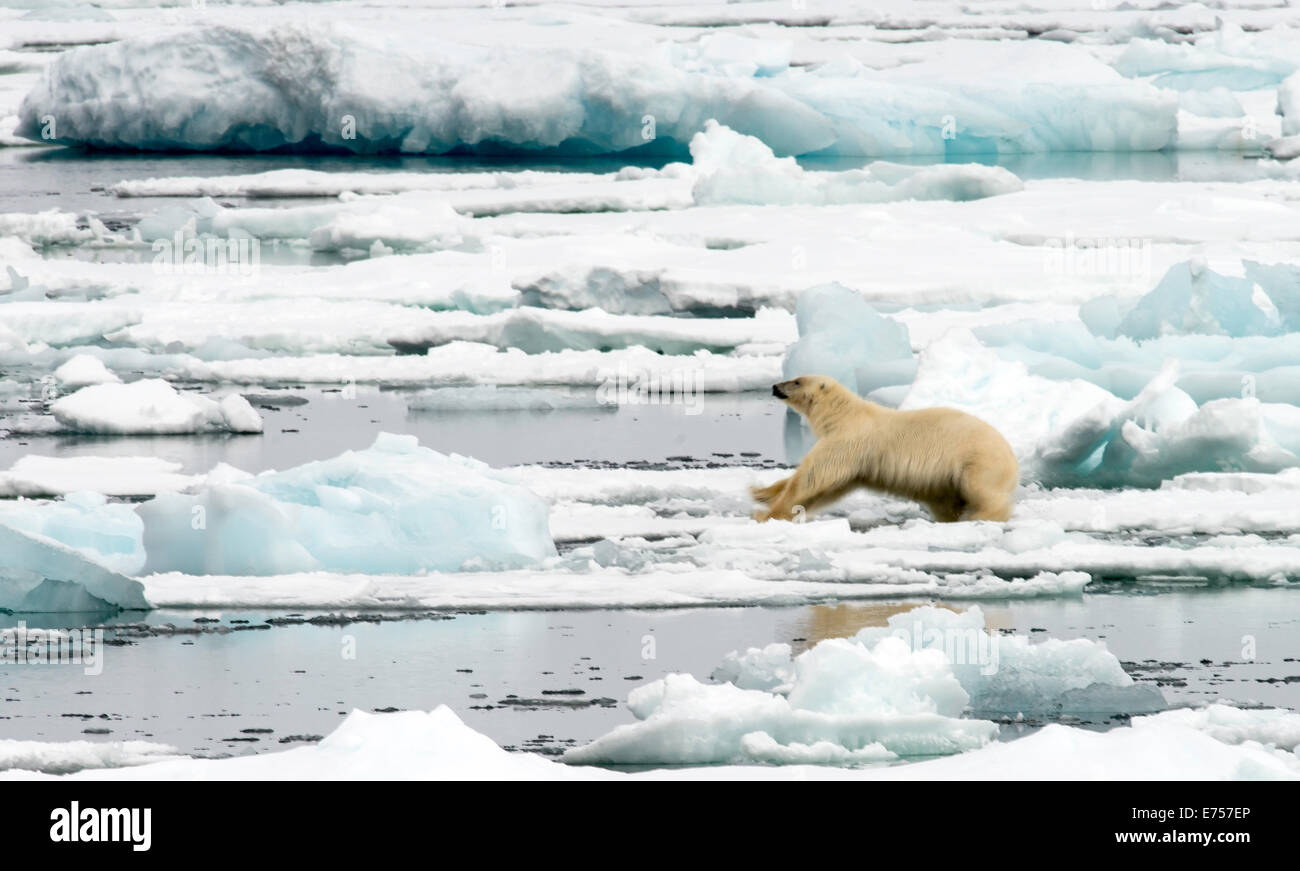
x=395, y=507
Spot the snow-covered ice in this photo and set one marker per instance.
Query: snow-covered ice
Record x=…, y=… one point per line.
x=437, y=745
x=152, y=406
x=733, y=168
x=53, y=757
x=35, y=475
x=83, y=370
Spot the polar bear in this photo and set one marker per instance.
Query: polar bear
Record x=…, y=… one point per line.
x=955, y=464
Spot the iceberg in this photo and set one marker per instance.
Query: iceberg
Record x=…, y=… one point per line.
x=106, y=532
x=842, y=336
x=152, y=406
x=1227, y=58
x=395, y=507
x=42, y=575
x=1192, y=298
x=310, y=86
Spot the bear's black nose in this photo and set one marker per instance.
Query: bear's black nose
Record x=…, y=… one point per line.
x=776, y=391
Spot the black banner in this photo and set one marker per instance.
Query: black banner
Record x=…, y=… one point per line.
x=330, y=820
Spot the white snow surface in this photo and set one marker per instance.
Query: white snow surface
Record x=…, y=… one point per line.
x=437, y=745
x=36, y=475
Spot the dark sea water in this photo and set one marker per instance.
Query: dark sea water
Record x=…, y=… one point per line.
x=36, y=179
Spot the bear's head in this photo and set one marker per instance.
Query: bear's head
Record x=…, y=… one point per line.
x=809, y=392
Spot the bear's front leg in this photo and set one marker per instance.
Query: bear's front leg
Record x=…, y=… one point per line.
x=770, y=492
x=821, y=478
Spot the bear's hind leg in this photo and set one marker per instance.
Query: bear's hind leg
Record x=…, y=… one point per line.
x=947, y=510
x=989, y=493
x=999, y=511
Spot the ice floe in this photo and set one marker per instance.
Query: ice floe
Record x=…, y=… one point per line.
x=395, y=507
x=732, y=168
x=42, y=575
x=36, y=475
x=888, y=692
x=83, y=370
x=152, y=406
x=678, y=586
x=108, y=533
